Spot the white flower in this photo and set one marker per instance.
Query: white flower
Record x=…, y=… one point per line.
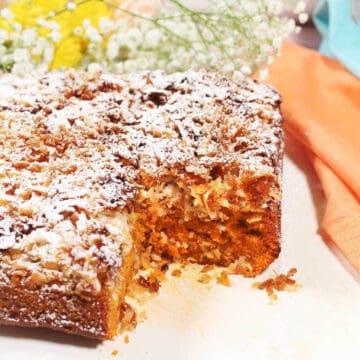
x=94, y=68
x=303, y=18
x=246, y=70
x=262, y=30
x=106, y=25
x=39, y=46
x=135, y=36
x=227, y=68
x=21, y=55
x=29, y=36
x=53, y=25
x=172, y=42
x=42, y=22
x=297, y=30
x=4, y=35
x=6, y=59
x=7, y=14
x=112, y=50
x=275, y=6
x=251, y=7
x=3, y=51
x=78, y=31
x=238, y=76
x=22, y=68
x=55, y=36
x=276, y=43
x=71, y=5
x=92, y=34
x=152, y=37
x=300, y=7
x=86, y=23
x=263, y=75
x=17, y=27
x=270, y=60
x=48, y=53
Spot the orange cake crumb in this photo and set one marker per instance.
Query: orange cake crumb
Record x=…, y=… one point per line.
x=126, y=339
x=223, y=279
x=150, y=283
x=205, y=279
x=279, y=282
x=114, y=352
x=207, y=268
x=176, y=273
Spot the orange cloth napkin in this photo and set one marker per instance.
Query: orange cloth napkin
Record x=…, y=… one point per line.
x=321, y=108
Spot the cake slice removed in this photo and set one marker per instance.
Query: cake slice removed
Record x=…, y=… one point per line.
x=100, y=171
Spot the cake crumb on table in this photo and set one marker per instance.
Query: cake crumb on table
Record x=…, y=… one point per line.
x=279, y=282
x=126, y=339
x=114, y=352
x=223, y=279
x=176, y=273
x=207, y=268
x=205, y=279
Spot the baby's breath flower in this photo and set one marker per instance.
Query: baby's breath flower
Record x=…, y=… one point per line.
x=246, y=70
x=7, y=14
x=55, y=36
x=106, y=25
x=238, y=36
x=41, y=22
x=92, y=34
x=29, y=36
x=263, y=74
x=86, y=23
x=303, y=18
x=78, y=31
x=17, y=27
x=21, y=55
x=300, y=7
x=94, y=68
x=71, y=5
x=4, y=35
x=53, y=25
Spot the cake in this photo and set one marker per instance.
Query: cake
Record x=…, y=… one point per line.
x=98, y=169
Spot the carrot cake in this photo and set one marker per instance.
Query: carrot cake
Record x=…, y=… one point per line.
x=97, y=169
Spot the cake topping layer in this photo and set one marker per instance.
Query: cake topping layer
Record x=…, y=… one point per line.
x=75, y=146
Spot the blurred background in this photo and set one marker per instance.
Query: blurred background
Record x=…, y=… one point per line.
x=309, y=35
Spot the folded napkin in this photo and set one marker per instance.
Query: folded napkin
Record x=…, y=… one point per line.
x=321, y=108
x=337, y=21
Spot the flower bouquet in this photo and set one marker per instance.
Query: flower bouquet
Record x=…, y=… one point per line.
x=231, y=36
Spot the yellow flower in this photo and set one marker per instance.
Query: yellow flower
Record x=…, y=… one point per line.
x=68, y=53
x=26, y=12
x=69, y=50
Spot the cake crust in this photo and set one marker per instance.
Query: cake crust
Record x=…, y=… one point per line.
x=96, y=168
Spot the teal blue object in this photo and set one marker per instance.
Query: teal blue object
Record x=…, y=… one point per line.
x=340, y=32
